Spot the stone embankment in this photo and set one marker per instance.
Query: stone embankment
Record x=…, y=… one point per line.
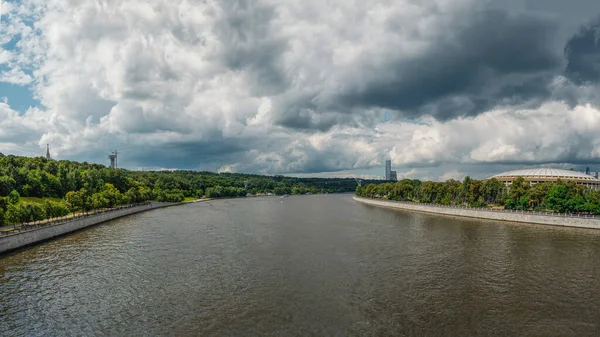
x=42, y=233
x=524, y=217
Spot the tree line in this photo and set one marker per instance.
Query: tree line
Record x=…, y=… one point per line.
x=559, y=196
x=70, y=187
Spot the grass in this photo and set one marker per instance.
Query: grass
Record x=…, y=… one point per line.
x=189, y=199
x=34, y=200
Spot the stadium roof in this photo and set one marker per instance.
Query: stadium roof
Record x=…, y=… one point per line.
x=546, y=173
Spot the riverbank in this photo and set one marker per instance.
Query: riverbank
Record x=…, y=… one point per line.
x=41, y=231
x=522, y=217
x=17, y=240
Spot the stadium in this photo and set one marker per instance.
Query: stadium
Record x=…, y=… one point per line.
x=540, y=175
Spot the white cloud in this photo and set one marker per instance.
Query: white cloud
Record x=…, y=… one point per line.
x=552, y=133
x=15, y=76
x=452, y=175
x=253, y=86
x=5, y=56
x=19, y=134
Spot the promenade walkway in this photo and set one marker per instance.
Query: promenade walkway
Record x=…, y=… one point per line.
x=26, y=226
x=542, y=218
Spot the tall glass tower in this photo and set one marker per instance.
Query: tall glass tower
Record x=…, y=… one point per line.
x=388, y=170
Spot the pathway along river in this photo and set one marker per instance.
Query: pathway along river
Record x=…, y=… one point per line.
x=312, y=265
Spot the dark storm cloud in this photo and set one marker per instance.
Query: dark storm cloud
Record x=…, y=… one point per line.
x=583, y=55
x=275, y=86
x=204, y=155
x=496, y=58
x=306, y=115
x=251, y=43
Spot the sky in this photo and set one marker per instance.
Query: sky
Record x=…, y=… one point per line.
x=443, y=88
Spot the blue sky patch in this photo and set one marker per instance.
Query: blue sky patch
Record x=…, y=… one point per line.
x=19, y=97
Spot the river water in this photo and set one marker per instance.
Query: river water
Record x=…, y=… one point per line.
x=312, y=265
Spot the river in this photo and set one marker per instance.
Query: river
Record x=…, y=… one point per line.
x=310, y=265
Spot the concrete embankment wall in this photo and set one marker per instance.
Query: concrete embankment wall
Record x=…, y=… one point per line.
x=484, y=214
x=22, y=239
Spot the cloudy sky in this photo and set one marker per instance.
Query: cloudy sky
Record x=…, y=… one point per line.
x=445, y=88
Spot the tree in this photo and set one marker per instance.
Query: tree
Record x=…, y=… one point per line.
x=3, y=203
x=13, y=214
x=557, y=198
x=7, y=184
x=537, y=193
x=57, y=209
x=466, y=193
x=492, y=190
x=75, y=201
x=214, y=192
x=99, y=201
x=35, y=212
x=33, y=186
x=519, y=188
x=51, y=185
x=110, y=193
x=133, y=195
x=14, y=197
x=359, y=191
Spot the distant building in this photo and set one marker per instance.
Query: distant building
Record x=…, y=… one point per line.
x=48, y=152
x=388, y=170
x=394, y=176
x=536, y=176
x=113, y=159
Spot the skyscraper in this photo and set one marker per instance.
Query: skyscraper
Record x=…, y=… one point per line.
x=388, y=170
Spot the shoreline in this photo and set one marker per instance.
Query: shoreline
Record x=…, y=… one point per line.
x=537, y=219
x=42, y=233
x=16, y=241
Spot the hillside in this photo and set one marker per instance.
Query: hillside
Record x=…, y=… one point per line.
x=37, y=188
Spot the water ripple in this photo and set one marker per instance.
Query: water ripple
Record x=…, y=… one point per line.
x=318, y=265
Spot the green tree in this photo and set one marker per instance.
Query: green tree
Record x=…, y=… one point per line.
x=491, y=190
x=538, y=192
x=33, y=186
x=133, y=195
x=14, y=197
x=4, y=203
x=99, y=201
x=557, y=198
x=112, y=194
x=7, y=184
x=75, y=201
x=13, y=214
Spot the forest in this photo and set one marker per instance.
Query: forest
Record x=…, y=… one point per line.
x=560, y=196
x=33, y=189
